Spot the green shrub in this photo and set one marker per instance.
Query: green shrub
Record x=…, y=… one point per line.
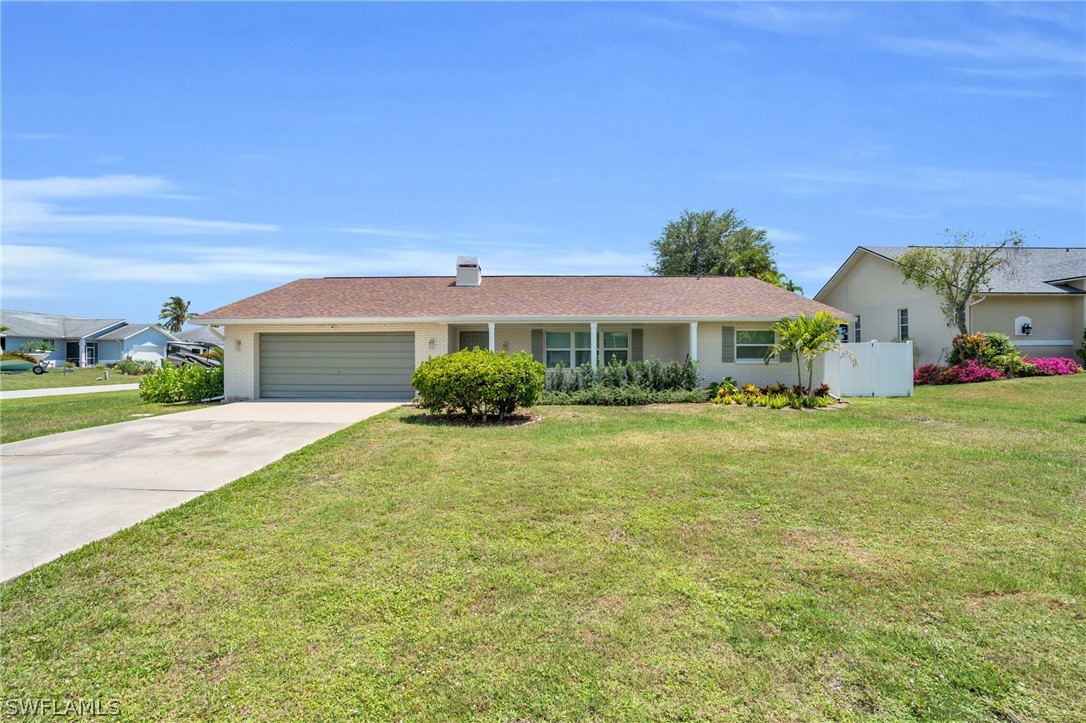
x=652, y=374
x=476, y=381
x=984, y=347
x=627, y=396
x=135, y=367
x=162, y=386
x=190, y=383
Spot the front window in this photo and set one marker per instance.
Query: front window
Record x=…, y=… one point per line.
x=842, y=333
x=753, y=344
x=616, y=346
x=574, y=348
x=856, y=330
x=903, y=324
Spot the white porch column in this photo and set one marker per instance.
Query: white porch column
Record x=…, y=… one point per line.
x=593, y=344
x=82, y=353
x=693, y=341
x=490, y=330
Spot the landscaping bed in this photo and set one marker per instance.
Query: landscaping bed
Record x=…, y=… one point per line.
x=902, y=559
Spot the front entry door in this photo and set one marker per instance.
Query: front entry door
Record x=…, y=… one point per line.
x=92, y=353
x=472, y=339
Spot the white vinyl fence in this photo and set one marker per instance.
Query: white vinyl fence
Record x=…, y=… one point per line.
x=882, y=369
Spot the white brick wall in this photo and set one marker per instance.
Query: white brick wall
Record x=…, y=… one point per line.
x=665, y=342
x=710, y=354
x=242, y=365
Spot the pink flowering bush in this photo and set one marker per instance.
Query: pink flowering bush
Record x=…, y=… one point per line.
x=928, y=374
x=972, y=371
x=1055, y=366
x=967, y=373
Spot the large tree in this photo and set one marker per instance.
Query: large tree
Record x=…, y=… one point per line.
x=175, y=312
x=710, y=243
x=957, y=270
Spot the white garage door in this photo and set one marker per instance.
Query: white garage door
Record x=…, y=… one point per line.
x=375, y=366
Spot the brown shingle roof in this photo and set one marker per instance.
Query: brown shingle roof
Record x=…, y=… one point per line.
x=709, y=297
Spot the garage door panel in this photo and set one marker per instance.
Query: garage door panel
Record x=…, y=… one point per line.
x=375, y=365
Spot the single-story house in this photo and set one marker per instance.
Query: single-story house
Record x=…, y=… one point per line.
x=85, y=342
x=1038, y=299
x=362, y=337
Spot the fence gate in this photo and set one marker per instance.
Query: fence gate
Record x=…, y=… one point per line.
x=882, y=369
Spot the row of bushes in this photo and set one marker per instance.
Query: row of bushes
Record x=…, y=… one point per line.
x=976, y=371
x=189, y=383
x=775, y=400
x=652, y=375
x=134, y=367
x=629, y=396
x=990, y=356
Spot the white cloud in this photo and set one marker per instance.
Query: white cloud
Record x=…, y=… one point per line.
x=953, y=186
x=389, y=233
x=780, y=235
x=215, y=264
x=34, y=206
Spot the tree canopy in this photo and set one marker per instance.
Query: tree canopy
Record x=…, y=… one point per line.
x=174, y=313
x=710, y=243
x=956, y=270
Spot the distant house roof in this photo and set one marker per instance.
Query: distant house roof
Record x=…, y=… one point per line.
x=1031, y=270
x=200, y=335
x=53, y=326
x=131, y=330
x=518, y=297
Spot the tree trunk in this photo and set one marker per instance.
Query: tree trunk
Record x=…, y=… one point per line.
x=810, y=378
x=959, y=318
x=799, y=370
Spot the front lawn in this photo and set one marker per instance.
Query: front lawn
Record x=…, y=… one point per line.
x=898, y=559
x=53, y=378
x=38, y=416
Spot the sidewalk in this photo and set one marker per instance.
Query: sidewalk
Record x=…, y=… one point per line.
x=61, y=391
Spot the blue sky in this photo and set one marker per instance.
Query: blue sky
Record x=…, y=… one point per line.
x=217, y=150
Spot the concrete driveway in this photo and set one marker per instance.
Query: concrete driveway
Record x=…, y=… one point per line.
x=65, y=490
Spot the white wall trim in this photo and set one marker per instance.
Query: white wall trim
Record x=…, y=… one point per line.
x=1042, y=342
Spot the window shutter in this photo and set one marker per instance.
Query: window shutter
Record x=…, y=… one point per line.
x=637, y=344
x=537, y=346
x=728, y=342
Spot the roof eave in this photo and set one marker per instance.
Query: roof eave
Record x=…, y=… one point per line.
x=332, y=321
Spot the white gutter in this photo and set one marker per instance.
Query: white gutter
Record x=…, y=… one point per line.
x=970, y=307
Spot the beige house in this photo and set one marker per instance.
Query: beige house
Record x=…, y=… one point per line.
x=362, y=337
x=1038, y=300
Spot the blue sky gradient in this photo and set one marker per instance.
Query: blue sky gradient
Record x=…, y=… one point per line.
x=217, y=150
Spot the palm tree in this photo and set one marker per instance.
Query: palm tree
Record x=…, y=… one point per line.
x=808, y=338
x=790, y=337
x=175, y=313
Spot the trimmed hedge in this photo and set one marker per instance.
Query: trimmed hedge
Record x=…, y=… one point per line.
x=475, y=381
x=653, y=375
x=624, y=396
x=190, y=383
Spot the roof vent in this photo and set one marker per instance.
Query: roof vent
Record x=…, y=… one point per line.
x=468, y=271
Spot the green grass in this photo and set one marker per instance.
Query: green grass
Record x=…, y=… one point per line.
x=896, y=560
x=55, y=378
x=38, y=416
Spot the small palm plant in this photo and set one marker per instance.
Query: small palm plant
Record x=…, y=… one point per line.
x=808, y=338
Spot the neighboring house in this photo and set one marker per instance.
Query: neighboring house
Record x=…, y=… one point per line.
x=194, y=346
x=85, y=342
x=363, y=337
x=1038, y=299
